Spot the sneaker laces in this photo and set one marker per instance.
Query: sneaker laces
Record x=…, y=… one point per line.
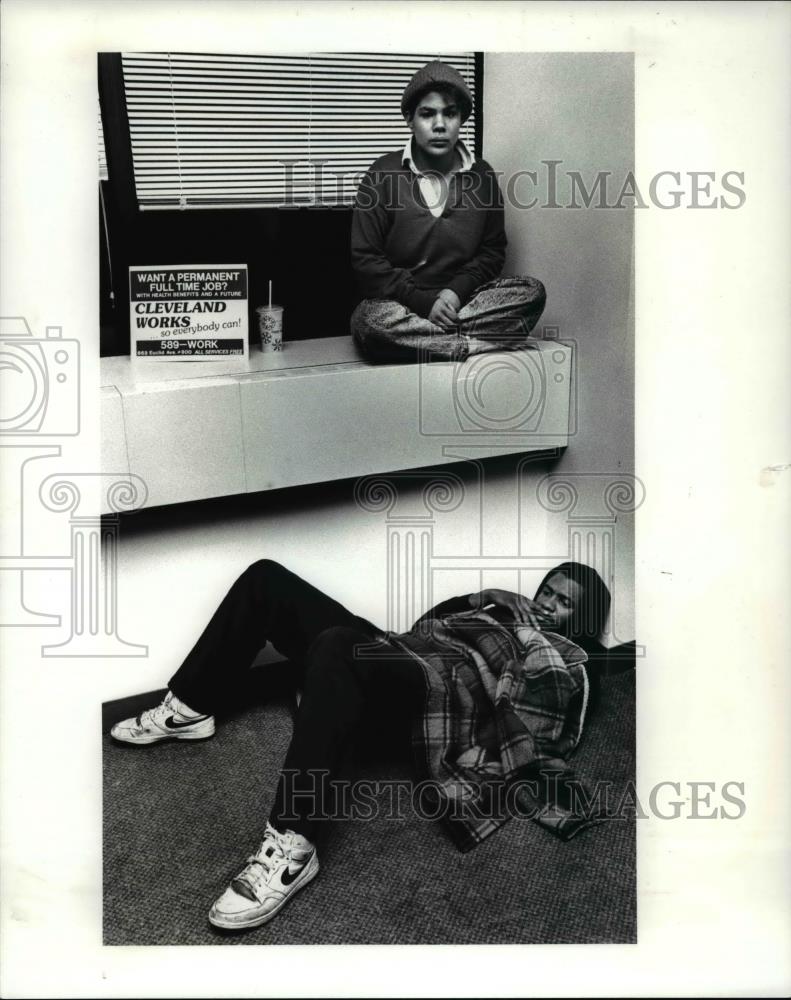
x=275, y=848
x=151, y=714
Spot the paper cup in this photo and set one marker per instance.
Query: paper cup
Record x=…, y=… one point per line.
x=270, y=327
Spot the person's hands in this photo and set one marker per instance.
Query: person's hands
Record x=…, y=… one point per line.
x=521, y=607
x=451, y=298
x=443, y=314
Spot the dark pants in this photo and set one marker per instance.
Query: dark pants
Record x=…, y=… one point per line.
x=347, y=670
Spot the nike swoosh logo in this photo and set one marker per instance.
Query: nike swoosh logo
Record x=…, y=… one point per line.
x=287, y=877
x=171, y=723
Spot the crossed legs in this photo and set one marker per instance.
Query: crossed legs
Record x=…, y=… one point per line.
x=499, y=316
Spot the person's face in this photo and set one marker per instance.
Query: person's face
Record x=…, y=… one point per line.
x=560, y=597
x=435, y=124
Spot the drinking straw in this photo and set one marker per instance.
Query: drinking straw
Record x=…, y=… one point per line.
x=270, y=294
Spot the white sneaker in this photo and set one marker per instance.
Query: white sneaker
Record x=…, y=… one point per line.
x=284, y=863
x=172, y=720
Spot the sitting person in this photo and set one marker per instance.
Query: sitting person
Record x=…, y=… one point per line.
x=428, y=241
x=351, y=672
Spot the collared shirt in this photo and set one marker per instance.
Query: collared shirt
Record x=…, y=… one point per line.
x=434, y=188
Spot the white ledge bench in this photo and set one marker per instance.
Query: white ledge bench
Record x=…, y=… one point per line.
x=317, y=411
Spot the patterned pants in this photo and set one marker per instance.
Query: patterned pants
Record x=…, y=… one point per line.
x=500, y=313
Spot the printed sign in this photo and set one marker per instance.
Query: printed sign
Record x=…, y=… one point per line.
x=189, y=312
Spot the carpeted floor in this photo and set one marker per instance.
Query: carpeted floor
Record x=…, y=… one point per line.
x=180, y=819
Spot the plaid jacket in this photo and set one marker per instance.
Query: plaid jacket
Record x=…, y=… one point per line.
x=505, y=707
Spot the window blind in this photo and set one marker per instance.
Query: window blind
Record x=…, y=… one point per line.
x=102, y=154
x=223, y=131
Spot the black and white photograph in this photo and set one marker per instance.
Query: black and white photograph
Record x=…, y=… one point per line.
x=466, y=671
x=371, y=453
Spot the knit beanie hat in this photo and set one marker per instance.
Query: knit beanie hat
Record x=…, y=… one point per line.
x=435, y=74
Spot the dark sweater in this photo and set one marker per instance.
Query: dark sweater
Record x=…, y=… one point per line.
x=401, y=251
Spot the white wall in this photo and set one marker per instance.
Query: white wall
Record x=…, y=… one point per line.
x=577, y=108
x=175, y=564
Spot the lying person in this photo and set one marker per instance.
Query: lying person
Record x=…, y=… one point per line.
x=428, y=241
x=494, y=685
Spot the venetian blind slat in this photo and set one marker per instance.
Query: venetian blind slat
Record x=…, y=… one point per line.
x=102, y=154
x=211, y=130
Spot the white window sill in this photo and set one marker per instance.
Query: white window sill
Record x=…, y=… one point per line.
x=317, y=411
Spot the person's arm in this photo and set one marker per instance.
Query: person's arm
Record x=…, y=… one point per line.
x=487, y=264
x=520, y=607
x=449, y=607
x=376, y=276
